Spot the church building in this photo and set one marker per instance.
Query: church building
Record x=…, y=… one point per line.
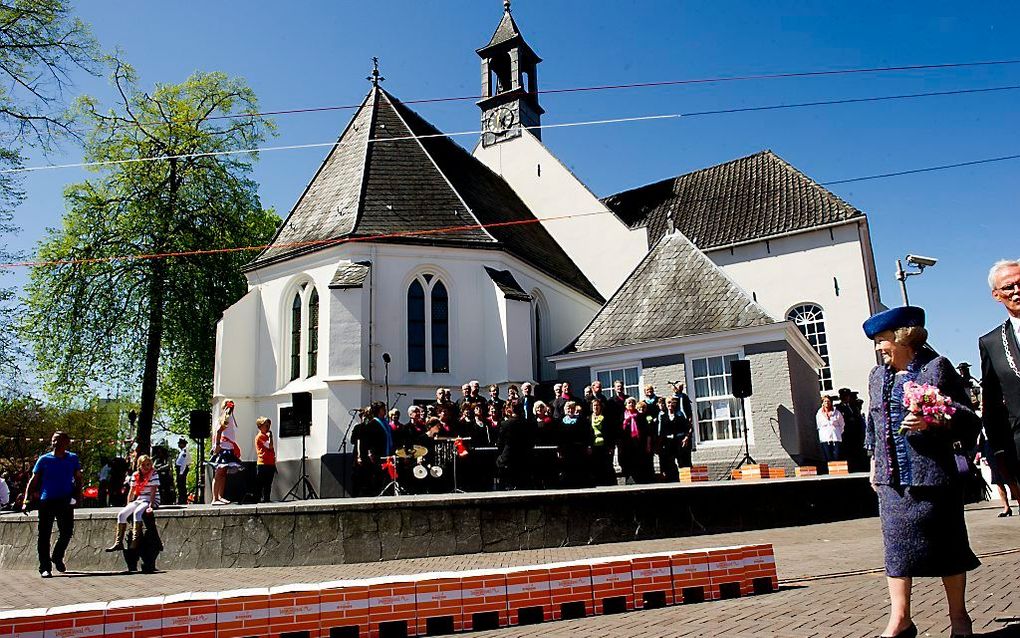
x=409, y=263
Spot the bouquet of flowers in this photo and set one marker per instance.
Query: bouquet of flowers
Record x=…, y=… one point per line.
x=927, y=402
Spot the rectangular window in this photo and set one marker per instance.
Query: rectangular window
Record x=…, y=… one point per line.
x=719, y=414
x=630, y=376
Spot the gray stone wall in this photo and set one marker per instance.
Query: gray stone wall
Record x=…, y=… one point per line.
x=807, y=398
x=660, y=371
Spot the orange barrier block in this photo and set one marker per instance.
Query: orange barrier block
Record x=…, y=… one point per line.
x=726, y=568
x=838, y=468
x=343, y=608
x=76, y=621
x=294, y=608
x=391, y=604
x=23, y=623
x=191, y=615
x=135, y=618
x=243, y=613
x=754, y=472
x=694, y=474
x=653, y=580
x=777, y=472
x=570, y=589
x=760, y=565
x=806, y=470
x=527, y=591
x=692, y=581
x=736, y=475
x=483, y=599
x=612, y=584
x=438, y=604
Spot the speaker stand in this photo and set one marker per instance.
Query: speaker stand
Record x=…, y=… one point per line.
x=748, y=459
x=200, y=474
x=307, y=491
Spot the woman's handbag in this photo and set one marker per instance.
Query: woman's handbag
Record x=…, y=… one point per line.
x=975, y=489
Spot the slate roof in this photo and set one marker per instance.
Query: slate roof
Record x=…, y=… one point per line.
x=675, y=291
x=380, y=184
x=505, y=31
x=350, y=275
x=505, y=281
x=747, y=199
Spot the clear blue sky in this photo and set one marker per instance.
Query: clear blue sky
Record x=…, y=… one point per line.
x=317, y=53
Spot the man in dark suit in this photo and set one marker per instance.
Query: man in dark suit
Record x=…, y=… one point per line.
x=1000, y=372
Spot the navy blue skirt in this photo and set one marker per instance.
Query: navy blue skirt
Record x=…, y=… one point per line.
x=924, y=531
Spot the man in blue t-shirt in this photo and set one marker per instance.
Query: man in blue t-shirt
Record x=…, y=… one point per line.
x=57, y=477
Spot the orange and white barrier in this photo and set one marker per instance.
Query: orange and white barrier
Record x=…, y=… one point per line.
x=243, y=613
x=727, y=573
x=754, y=472
x=692, y=580
x=839, y=468
x=806, y=470
x=76, y=621
x=343, y=607
x=777, y=472
x=571, y=592
x=190, y=615
x=612, y=584
x=527, y=588
x=483, y=597
x=760, y=563
x=294, y=608
x=694, y=474
x=391, y=602
x=135, y=618
x=438, y=603
x=23, y=623
x=652, y=576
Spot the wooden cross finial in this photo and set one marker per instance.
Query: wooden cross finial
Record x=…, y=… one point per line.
x=375, y=78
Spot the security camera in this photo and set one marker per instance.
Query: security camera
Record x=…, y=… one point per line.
x=921, y=261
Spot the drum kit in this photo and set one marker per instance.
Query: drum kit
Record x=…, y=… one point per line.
x=420, y=471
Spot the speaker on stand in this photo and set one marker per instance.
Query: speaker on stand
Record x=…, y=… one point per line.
x=300, y=424
x=740, y=373
x=200, y=429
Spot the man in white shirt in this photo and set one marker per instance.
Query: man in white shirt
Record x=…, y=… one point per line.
x=182, y=463
x=5, y=493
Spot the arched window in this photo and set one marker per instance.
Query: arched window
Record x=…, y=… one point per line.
x=428, y=325
x=810, y=320
x=538, y=344
x=295, y=337
x=313, y=333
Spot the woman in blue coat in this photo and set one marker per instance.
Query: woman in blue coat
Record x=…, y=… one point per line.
x=914, y=469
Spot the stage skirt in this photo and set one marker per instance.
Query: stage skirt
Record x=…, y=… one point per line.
x=226, y=459
x=924, y=531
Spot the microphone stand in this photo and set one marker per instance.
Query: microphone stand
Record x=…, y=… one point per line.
x=397, y=398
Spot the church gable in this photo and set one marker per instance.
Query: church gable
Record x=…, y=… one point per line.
x=747, y=199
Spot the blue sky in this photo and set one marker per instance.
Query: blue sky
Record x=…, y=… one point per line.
x=311, y=54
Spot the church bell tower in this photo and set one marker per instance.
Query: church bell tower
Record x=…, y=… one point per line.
x=509, y=84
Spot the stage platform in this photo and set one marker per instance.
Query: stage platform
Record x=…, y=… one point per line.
x=339, y=531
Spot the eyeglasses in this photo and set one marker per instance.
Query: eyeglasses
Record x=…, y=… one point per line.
x=1009, y=287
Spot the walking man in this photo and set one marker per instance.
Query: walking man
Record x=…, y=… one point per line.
x=1000, y=373
x=57, y=476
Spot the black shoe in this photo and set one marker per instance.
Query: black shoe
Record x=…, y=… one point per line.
x=909, y=632
x=59, y=564
x=45, y=574
x=1008, y=512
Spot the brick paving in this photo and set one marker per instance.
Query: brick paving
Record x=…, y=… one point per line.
x=823, y=590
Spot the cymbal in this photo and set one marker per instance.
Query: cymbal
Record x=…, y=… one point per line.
x=415, y=452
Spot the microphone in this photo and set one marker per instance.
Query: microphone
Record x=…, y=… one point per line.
x=353, y=411
x=401, y=394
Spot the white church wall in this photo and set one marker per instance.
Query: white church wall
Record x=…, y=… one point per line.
x=550, y=190
x=234, y=374
x=518, y=332
x=809, y=268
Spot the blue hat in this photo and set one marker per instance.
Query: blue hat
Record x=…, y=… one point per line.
x=901, y=317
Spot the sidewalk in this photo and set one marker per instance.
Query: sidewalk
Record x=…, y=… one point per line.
x=826, y=587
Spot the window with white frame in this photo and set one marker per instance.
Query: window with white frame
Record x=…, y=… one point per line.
x=631, y=377
x=720, y=417
x=303, y=332
x=428, y=325
x=810, y=320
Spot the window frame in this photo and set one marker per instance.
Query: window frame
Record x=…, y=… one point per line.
x=428, y=279
x=691, y=387
x=300, y=289
x=825, y=382
x=622, y=367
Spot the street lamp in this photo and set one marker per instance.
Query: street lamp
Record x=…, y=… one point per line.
x=917, y=261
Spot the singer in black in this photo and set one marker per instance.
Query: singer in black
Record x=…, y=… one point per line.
x=373, y=442
x=675, y=440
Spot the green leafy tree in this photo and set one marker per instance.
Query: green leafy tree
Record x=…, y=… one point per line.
x=41, y=45
x=105, y=310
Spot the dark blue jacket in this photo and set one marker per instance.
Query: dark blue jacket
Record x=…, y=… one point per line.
x=917, y=458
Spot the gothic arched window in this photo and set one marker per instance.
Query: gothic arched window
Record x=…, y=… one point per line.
x=295, y=337
x=313, y=333
x=428, y=325
x=808, y=317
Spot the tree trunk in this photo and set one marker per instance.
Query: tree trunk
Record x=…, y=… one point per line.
x=150, y=376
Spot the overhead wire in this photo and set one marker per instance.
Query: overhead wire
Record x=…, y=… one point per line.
x=411, y=234
x=619, y=120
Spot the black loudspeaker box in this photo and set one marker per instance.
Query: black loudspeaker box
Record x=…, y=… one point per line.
x=741, y=371
x=301, y=415
x=200, y=424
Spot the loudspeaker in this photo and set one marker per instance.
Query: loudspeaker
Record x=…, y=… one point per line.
x=740, y=369
x=302, y=414
x=200, y=424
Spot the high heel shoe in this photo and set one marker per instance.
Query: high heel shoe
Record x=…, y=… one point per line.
x=1008, y=512
x=909, y=632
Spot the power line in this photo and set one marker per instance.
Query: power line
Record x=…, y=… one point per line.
x=448, y=229
x=620, y=120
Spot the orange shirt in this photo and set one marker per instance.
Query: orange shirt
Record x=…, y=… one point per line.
x=265, y=454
